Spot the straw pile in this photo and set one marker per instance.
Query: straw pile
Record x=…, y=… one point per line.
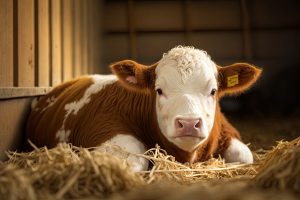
x=281, y=167
x=166, y=168
x=69, y=172
x=65, y=172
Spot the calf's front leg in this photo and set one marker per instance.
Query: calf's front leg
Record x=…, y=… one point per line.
x=129, y=144
x=238, y=152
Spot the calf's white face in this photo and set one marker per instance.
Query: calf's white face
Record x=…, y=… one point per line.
x=186, y=81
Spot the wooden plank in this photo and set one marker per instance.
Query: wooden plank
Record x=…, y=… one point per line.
x=132, y=30
x=78, y=37
x=246, y=30
x=284, y=44
x=153, y=15
x=117, y=48
x=13, y=114
x=26, y=43
x=91, y=35
x=186, y=21
x=115, y=18
x=44, y=43
x=56, y=42
x=214, y=14
x=98, y=68
x=276, y=14
x=67, y=39
x=152, y=46
x=72, y=26
x=84, y=37
x=220, y=45
x=6, y=43
x=16, y=92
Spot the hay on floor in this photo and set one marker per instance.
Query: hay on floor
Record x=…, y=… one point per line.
x=281, y=167
x=166, y=168
x=69, y=172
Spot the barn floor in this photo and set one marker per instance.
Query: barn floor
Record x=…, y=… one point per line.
x=265, y=132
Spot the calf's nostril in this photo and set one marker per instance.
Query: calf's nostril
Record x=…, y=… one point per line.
x=179, y=124
x=198, y=124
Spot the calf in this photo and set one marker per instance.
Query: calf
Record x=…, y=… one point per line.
x=173, y=103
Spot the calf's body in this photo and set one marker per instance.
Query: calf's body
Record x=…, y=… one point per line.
x=123, y=109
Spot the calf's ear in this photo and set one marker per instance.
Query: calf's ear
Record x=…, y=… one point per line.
x=133, y=75
x=236, y=78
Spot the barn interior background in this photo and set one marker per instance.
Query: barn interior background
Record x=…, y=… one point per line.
x=46, y=42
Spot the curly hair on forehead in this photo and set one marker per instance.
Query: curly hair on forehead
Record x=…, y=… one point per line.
x=188, y=58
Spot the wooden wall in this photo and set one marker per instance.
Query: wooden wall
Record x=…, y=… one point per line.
x=42, y=43
x=263, y=32
x=46, y=42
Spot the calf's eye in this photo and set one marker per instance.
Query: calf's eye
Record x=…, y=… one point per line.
x=159, y=91
x=213, y=92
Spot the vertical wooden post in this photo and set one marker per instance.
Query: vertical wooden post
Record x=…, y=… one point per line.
x=78, y=37
x=56, y=42
x=132, y=31
x=84, y=37
x=91, y=35
x=67, y=35
x=186, y=24
x=72, y=28
x=6, y=43
x=43, y=43
x=246, y=31
x=26, y=45
x=98, y=38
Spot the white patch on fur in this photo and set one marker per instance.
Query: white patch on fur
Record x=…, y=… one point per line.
x=130, y=144
x=63, y=135
x=238, y=152
x=186, y=76
x=72, y=108
x=50, y=102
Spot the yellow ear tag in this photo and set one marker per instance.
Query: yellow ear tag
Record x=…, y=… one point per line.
x=232, y=80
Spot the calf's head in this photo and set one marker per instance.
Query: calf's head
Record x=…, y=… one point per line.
x=187, y=85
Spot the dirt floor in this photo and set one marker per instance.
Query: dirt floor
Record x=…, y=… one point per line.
x=264, y=132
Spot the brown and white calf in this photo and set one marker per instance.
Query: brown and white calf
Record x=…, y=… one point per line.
x=173, y=103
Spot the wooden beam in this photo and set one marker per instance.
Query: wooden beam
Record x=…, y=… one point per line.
x=17, y=92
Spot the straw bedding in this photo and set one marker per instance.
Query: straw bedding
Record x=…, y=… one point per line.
x=69, y=172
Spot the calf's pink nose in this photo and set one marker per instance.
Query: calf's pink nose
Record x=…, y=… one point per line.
x=188, y=127
x=187, y=123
